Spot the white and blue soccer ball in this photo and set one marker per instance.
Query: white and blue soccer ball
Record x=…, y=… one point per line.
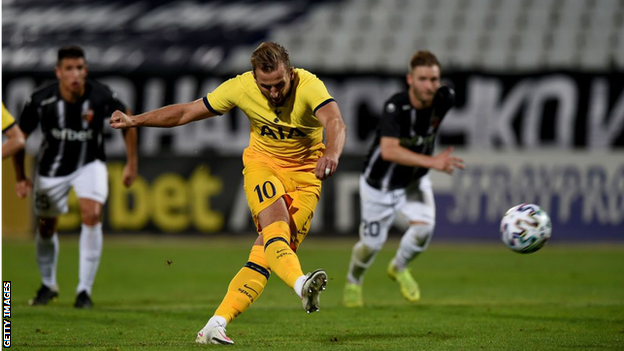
x=525, y=228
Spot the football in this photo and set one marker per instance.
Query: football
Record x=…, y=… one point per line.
x=525, y=228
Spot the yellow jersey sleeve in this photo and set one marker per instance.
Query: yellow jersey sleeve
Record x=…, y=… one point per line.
x=315, y=93
x=225, y=96
x=7, y=119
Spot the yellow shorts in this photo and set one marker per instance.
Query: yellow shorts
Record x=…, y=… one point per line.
x=266, y=181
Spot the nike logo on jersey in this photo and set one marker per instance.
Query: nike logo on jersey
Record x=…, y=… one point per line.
x=281, y=133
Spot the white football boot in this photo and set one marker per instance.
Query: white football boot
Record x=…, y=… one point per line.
x=215, y=335
x=314, y=284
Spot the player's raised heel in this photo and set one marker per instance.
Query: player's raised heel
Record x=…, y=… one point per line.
x=314, y=284
x=409, y=287
x=214, y=335
x=353, y=295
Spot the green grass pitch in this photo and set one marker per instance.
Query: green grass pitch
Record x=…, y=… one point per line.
x=155, y=293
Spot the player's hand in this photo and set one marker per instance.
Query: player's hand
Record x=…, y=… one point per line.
x=23, y=187
x=326, y=167
x=447, y=163
x=130, y=174
x=120, y=120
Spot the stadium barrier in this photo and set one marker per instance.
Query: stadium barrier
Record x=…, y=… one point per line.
x=582, y=192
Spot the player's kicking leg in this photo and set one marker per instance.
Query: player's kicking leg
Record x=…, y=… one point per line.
x=283, y=260
x=313, y=285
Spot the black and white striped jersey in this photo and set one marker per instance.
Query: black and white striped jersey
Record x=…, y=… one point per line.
x=72, y=133
x=416, y=130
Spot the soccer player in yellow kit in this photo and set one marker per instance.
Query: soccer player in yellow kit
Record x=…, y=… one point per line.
x=15, y=138
x=283, y=168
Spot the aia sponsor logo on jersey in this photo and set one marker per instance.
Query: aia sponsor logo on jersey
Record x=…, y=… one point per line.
x=281, y=133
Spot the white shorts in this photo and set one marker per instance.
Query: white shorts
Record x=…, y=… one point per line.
x=89, y=182
x=379, y=209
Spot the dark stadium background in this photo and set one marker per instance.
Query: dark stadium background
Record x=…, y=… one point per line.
x=539, y=118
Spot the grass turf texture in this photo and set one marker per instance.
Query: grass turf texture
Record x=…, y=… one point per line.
x=156, y=293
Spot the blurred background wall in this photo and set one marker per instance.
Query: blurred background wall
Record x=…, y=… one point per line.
x=539, y=116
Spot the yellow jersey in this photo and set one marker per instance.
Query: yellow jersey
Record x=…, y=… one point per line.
x=7, y=119
x=291, y=131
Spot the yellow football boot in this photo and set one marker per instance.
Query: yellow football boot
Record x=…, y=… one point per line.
x=352, y=295
x=409, y=287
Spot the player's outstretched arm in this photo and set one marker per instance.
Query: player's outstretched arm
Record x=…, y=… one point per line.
x=165, y=117
x=392, y=151
x=335, y=136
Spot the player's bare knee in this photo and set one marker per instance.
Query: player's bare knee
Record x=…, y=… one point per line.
x=90, y=211
x=259, y=240
x=91, y=218
x=276, y=212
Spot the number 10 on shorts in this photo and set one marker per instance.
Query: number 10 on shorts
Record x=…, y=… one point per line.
x=267, y=189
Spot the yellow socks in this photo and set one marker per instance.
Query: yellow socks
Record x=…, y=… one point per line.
x=249, y=282
x=246, y=286
x=282, y=259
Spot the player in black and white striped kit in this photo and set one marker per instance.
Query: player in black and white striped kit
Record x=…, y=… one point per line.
x=395, y=177
x=71, y=112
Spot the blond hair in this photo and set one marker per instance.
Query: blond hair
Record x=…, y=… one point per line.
x=268, y=56
x=423, y=58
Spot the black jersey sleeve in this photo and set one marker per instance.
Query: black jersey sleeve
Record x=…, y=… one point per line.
x=389, y=124
x=29, y=119
x=116, y=104
x=113, y=102
x=444, y=99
